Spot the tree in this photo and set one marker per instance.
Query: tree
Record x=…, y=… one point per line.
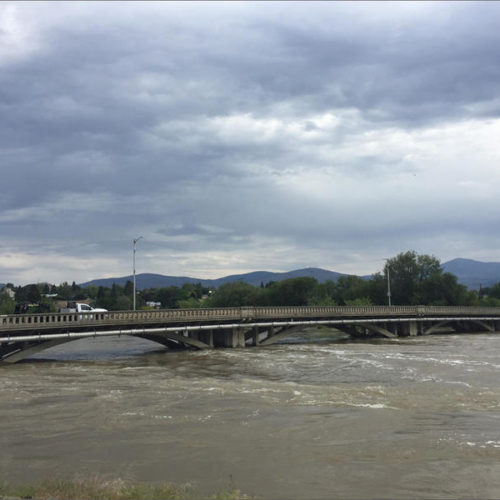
x=377, y=287
x=7, y=305
x=419, y=279
x=129, y=288
x=349, y=288
x=122, y=303
x=28, y=293
x=191, y=303
x=293, y=292
x=236, y=294
x=324, y=294
x=407, y=272
x=64, y=291
x=494, y=291
x=92, y=291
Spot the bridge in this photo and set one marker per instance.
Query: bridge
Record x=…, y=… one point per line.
x=23, y=335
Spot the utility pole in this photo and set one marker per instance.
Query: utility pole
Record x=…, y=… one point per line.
x=135, y=240
x=388, y=284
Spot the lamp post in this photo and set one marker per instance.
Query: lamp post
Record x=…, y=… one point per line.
x=388, y=284
x=135, y=240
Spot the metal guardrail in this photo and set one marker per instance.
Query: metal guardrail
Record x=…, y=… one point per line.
x=240, y=314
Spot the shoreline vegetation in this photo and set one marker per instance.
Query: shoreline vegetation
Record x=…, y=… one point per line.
x=408, y=279
x=100, y=488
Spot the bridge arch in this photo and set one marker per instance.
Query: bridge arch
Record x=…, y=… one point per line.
x=17, y=351
x=12, y=353
x=483, y=324
x=282, y=334
x=435, y=326
x=348, y=329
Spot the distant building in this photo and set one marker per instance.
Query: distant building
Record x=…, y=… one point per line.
x=155, y=305
x=8, y=291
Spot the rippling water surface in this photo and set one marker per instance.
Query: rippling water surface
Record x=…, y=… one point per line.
x=415, y=417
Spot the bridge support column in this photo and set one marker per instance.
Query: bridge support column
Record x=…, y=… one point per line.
x=408, y=329
x=238, y=337
x=255, y=336
x=413, y=328
x=234, y=338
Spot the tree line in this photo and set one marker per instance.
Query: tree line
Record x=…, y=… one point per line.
x=413, y=280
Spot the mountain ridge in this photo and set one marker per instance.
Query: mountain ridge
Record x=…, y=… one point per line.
x=472, y=273
x=151, y=280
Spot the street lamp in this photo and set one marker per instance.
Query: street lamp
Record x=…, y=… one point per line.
x=388, y=284
x=135, y=240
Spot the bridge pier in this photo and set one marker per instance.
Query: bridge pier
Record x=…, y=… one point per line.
x=409, y=329
x=255, y=335
x=232, y=338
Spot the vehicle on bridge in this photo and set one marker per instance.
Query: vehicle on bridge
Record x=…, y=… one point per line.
x=76, y=307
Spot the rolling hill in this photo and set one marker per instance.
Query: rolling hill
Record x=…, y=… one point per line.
x=469, y=272
x=147, y=280
x=472, y=273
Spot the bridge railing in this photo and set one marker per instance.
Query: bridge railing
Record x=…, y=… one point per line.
x=237, y=314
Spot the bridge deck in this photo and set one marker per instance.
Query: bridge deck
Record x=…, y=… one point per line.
x=23, y=335
x=54, y=321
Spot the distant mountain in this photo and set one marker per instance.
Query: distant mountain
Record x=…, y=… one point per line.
x=258, y=277
x=147, y=280
x=473, y=273
x=2, y=285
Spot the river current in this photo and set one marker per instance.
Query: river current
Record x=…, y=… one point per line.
x=319, y=417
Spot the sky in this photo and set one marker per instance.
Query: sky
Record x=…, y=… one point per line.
x=243, y=136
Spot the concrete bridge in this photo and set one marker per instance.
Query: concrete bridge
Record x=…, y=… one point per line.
x=24, y=335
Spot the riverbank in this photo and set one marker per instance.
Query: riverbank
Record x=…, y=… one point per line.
x=98, y=488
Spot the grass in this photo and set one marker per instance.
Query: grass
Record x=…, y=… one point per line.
x=98, y=488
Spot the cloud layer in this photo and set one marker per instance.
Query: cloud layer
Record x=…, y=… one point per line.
x=245, y=136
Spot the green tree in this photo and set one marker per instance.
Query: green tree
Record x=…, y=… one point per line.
x=122, y=303
x=191, y=303
x=28, y=293
x=293, y=292
x=377, y=287
x=235, y=294
x=64, y=291
x=407, y=272
x=359, y=301
x=349, y=288
x=494, y=291
x=129, y=288
x=324, y=294
x=419, y=279
x=7, y=305
x=91, y=291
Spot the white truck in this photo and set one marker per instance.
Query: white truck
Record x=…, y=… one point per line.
x=74, y=307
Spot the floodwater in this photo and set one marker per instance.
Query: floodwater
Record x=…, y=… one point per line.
x=318, y=418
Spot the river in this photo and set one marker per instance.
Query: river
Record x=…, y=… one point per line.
x=319, y=417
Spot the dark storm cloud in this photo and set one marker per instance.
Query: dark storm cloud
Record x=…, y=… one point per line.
x=227, y=127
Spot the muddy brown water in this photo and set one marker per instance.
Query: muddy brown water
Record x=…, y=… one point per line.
x=317, y=417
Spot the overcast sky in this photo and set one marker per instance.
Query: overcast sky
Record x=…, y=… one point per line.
x=237, y=137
